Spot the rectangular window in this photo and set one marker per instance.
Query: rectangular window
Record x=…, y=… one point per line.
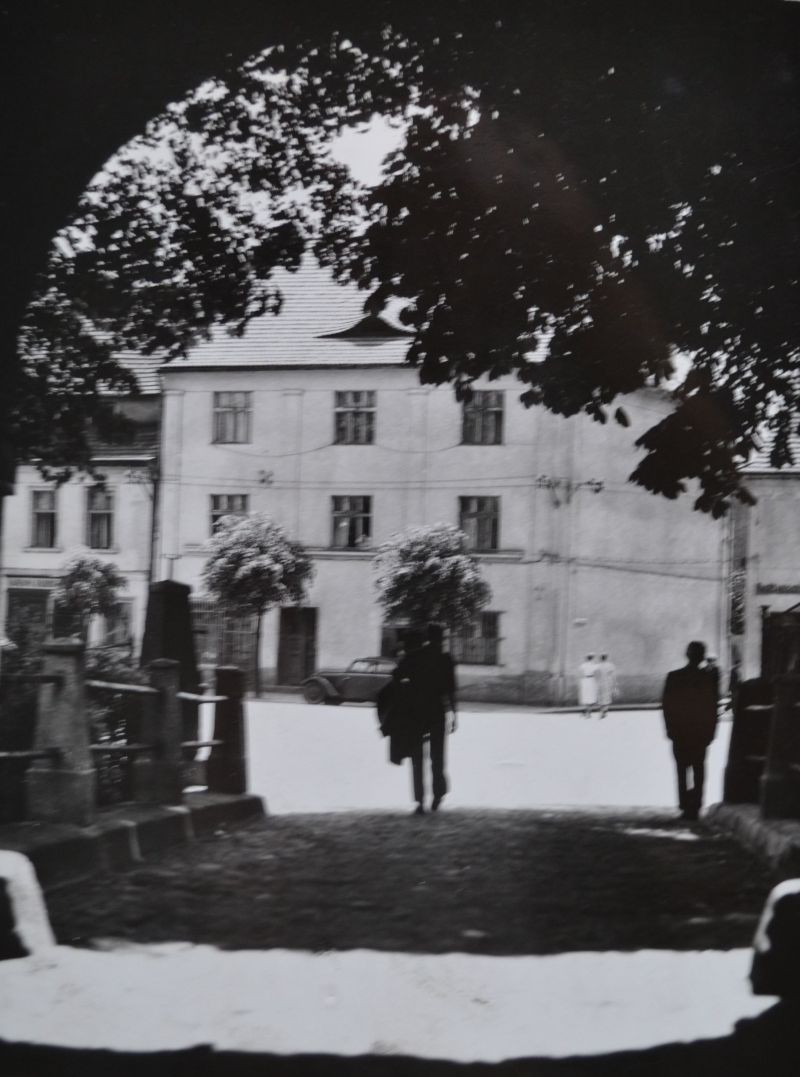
x=99, y=518
x=354, y=417
x=117, y=631
x=43, y=518
x=231, y=418
x=480, y=522
x=478, y=643
x=483, y=419
x=227, y=505
x=352, y=521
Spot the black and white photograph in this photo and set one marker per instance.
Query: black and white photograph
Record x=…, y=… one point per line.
x=400, y=538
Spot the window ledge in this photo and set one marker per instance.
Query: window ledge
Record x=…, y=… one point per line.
x=43, y=549
x=497, y=555
x=361, y=553
x=104, y=549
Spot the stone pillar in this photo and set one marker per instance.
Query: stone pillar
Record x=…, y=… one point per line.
x=747, y=749
x=62, y=789
x=226, y=769
x=780, y=785
x=157, y=775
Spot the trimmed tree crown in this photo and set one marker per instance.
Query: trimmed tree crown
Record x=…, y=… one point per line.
x=425, y=574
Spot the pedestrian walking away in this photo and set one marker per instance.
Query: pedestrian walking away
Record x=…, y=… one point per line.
x=587, y=685
x=426, y=676
x=690, y=717
x=606, y=674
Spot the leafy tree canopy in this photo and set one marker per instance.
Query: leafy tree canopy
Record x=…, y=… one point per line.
x=252, y=565
x=424, y=575
x=586, y=190
x=89, y=586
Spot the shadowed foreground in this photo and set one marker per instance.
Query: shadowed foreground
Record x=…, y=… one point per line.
x=490, y=882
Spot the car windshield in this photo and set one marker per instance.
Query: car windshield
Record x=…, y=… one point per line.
x=361, y=666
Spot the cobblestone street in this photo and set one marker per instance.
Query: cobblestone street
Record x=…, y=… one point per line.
x=486, y=882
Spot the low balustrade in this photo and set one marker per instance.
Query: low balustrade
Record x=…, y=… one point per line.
x=60, y=783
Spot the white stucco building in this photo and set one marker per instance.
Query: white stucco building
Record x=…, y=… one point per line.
x=109, y=517
x=313, y=418
x=765, y=554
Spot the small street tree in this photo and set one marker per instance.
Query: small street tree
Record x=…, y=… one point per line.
x=253, y=566
x=88, y=586
x=424, y=574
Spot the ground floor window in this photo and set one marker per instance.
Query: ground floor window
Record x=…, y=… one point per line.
x=478, y=643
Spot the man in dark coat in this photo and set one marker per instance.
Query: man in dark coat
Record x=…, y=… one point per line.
x=690, y=717
x=428, y=675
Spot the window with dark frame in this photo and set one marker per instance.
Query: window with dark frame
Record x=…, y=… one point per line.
x=354, y=417
x=352, y=522
x=117, y=626
x=43, y=518
x=232, y=412
x=479, y=519
x=227, y=505
x=482, y=421
x=478, y=642
x=99, y=518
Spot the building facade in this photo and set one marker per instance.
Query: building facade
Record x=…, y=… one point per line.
x=314, y=418
x=109, y=516
x=765, y=555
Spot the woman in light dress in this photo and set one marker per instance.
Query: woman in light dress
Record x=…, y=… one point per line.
x=606, y=676
x=587, y=685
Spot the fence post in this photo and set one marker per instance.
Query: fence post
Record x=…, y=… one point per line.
x=780, y=785
x=62, y=790
x=226, y=769
x=157, y=778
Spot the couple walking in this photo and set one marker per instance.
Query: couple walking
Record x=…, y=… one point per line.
x=412, y=709
x=597, y=683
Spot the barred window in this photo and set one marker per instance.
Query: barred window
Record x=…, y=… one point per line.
x=479, y=519
x=232, y=413
x=354, y=417
x=478, y=643
x=352, y=521
x=43, y=518
x=227, y=505
x=483, y=419
x=99, y=518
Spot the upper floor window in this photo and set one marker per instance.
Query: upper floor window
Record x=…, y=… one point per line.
x=479, y=519
x=352, y=521
x=99, y=518
x=477, y=642
x=43, y=518
x=227, y=505
x=232, y=413
x=354, y=417
x=482, y=422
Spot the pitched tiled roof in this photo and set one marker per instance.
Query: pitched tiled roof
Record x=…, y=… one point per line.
x=311, y=329
x=145, y=370
x=759, y=460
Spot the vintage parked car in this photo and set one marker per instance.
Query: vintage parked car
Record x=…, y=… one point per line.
x=359, y=683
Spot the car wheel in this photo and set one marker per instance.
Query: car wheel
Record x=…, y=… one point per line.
x=313, y=692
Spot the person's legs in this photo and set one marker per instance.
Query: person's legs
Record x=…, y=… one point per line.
x=418, y=780
x=695, y=795
x=437, y=741
x=681, y=768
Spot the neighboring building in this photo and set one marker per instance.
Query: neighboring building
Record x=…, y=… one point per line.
x=314, y=418
x=110, y=518
x=765, y=554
